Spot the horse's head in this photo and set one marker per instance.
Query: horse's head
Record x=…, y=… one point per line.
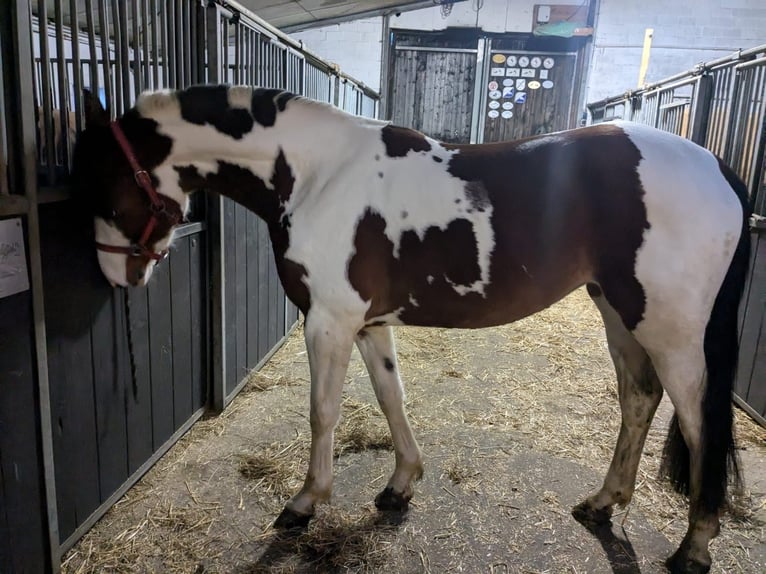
x=113, y=181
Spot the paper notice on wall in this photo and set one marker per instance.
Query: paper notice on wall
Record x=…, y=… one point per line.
x=14, y=277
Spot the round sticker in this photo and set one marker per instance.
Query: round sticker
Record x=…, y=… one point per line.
x=533, y=85
x=507, y=105
x=493, y=114
x=494, y=104
x=495, y=94
x=511, y=61
x=493, y=85
x=535, y=62
x=523, y=61
x=498, y=58
x=507, y=115
x=508, y=82
x=548, y=84
x=548, y=63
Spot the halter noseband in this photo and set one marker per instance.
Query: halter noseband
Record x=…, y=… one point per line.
x=157, y=206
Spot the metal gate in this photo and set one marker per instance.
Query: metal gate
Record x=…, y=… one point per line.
x=721, y=105
x=468, y=88
x=77, y=429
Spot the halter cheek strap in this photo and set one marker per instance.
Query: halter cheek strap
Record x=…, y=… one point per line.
x=157, y=206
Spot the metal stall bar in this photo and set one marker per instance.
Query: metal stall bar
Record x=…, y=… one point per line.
x=77, y=65
x=21, y=27
x=137, y=62
x=63, y=86
x=47, y=97
x=106, y=59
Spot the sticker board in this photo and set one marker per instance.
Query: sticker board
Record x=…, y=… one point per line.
x=14, y=277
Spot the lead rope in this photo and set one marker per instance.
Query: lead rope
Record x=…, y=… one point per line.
x=130, y=344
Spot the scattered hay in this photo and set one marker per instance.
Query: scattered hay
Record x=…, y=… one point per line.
x=260, y=381
x=335, y=541
x=362, y=427
x=275, y=468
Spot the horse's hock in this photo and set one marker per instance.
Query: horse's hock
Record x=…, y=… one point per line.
x=517, y=425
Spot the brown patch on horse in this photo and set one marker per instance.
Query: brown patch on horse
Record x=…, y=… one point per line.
x=267, y=202
x=401, y=141
x=558, y=223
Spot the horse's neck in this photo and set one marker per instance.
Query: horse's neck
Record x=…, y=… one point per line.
x=267, y=170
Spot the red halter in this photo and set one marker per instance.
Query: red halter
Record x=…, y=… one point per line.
x=157, y=207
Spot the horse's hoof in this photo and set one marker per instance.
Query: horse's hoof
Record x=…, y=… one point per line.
x=291, y=520
x=585, y=514
x=681, y=563
x=390, y=500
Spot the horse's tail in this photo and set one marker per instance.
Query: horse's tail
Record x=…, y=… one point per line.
x=721, y=346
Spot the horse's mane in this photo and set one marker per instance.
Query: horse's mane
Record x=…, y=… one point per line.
x=159, y=103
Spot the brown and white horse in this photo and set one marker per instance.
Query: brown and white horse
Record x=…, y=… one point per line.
x=374, y=225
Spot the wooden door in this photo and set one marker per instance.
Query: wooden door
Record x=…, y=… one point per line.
x=432, y=91
x=526, y=93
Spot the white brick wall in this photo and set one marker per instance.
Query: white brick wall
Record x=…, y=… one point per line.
x=494, y=16
x=686, y=32
x=355, y=46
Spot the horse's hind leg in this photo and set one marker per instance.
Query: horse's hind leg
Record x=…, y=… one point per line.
x=376, y=345
x=640, y=393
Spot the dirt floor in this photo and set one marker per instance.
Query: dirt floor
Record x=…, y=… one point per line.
x=517, y=425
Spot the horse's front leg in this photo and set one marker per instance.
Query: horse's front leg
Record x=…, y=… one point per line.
x=376, y=345
x=328, y=343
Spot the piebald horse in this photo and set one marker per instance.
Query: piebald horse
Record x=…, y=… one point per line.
x=375, y=225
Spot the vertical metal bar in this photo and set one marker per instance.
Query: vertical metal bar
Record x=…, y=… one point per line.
x=478, y=92
x=216, y=50
x=137, y=59
x=155, y=21
x=47, y=103
x=186, y=35
x=93, y=53
x=76, y=65
x=124, y=61
x=237, y=52
x=106, y=57
x=163, y=17
x=170, y=19
x=21, y=14
x=117, y=58
x=63, y=84
x=179, y=44
x=147, y=55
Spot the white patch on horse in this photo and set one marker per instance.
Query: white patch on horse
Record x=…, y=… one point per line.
x=241, y=97
x=113, y=265
x=679, y=290
x=549, y=139
x=413, y=301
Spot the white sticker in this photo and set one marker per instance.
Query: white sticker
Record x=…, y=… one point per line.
x=528, y=73
x=495, y=95
x=523, y=61
x=511, y=61
x=494, y=104
x=493, y=114
x=521, y=84
x=507, y=115
x=548, y=63
x=513, y=73
x=543, y=74
x=14, y=277
x=548, y=84
x=507, y=105
x=535, y=62
x=498, y=72
x=493, y=85
x=533, y=85
x=508, y=82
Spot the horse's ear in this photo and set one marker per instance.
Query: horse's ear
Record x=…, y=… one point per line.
x=95, y=114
